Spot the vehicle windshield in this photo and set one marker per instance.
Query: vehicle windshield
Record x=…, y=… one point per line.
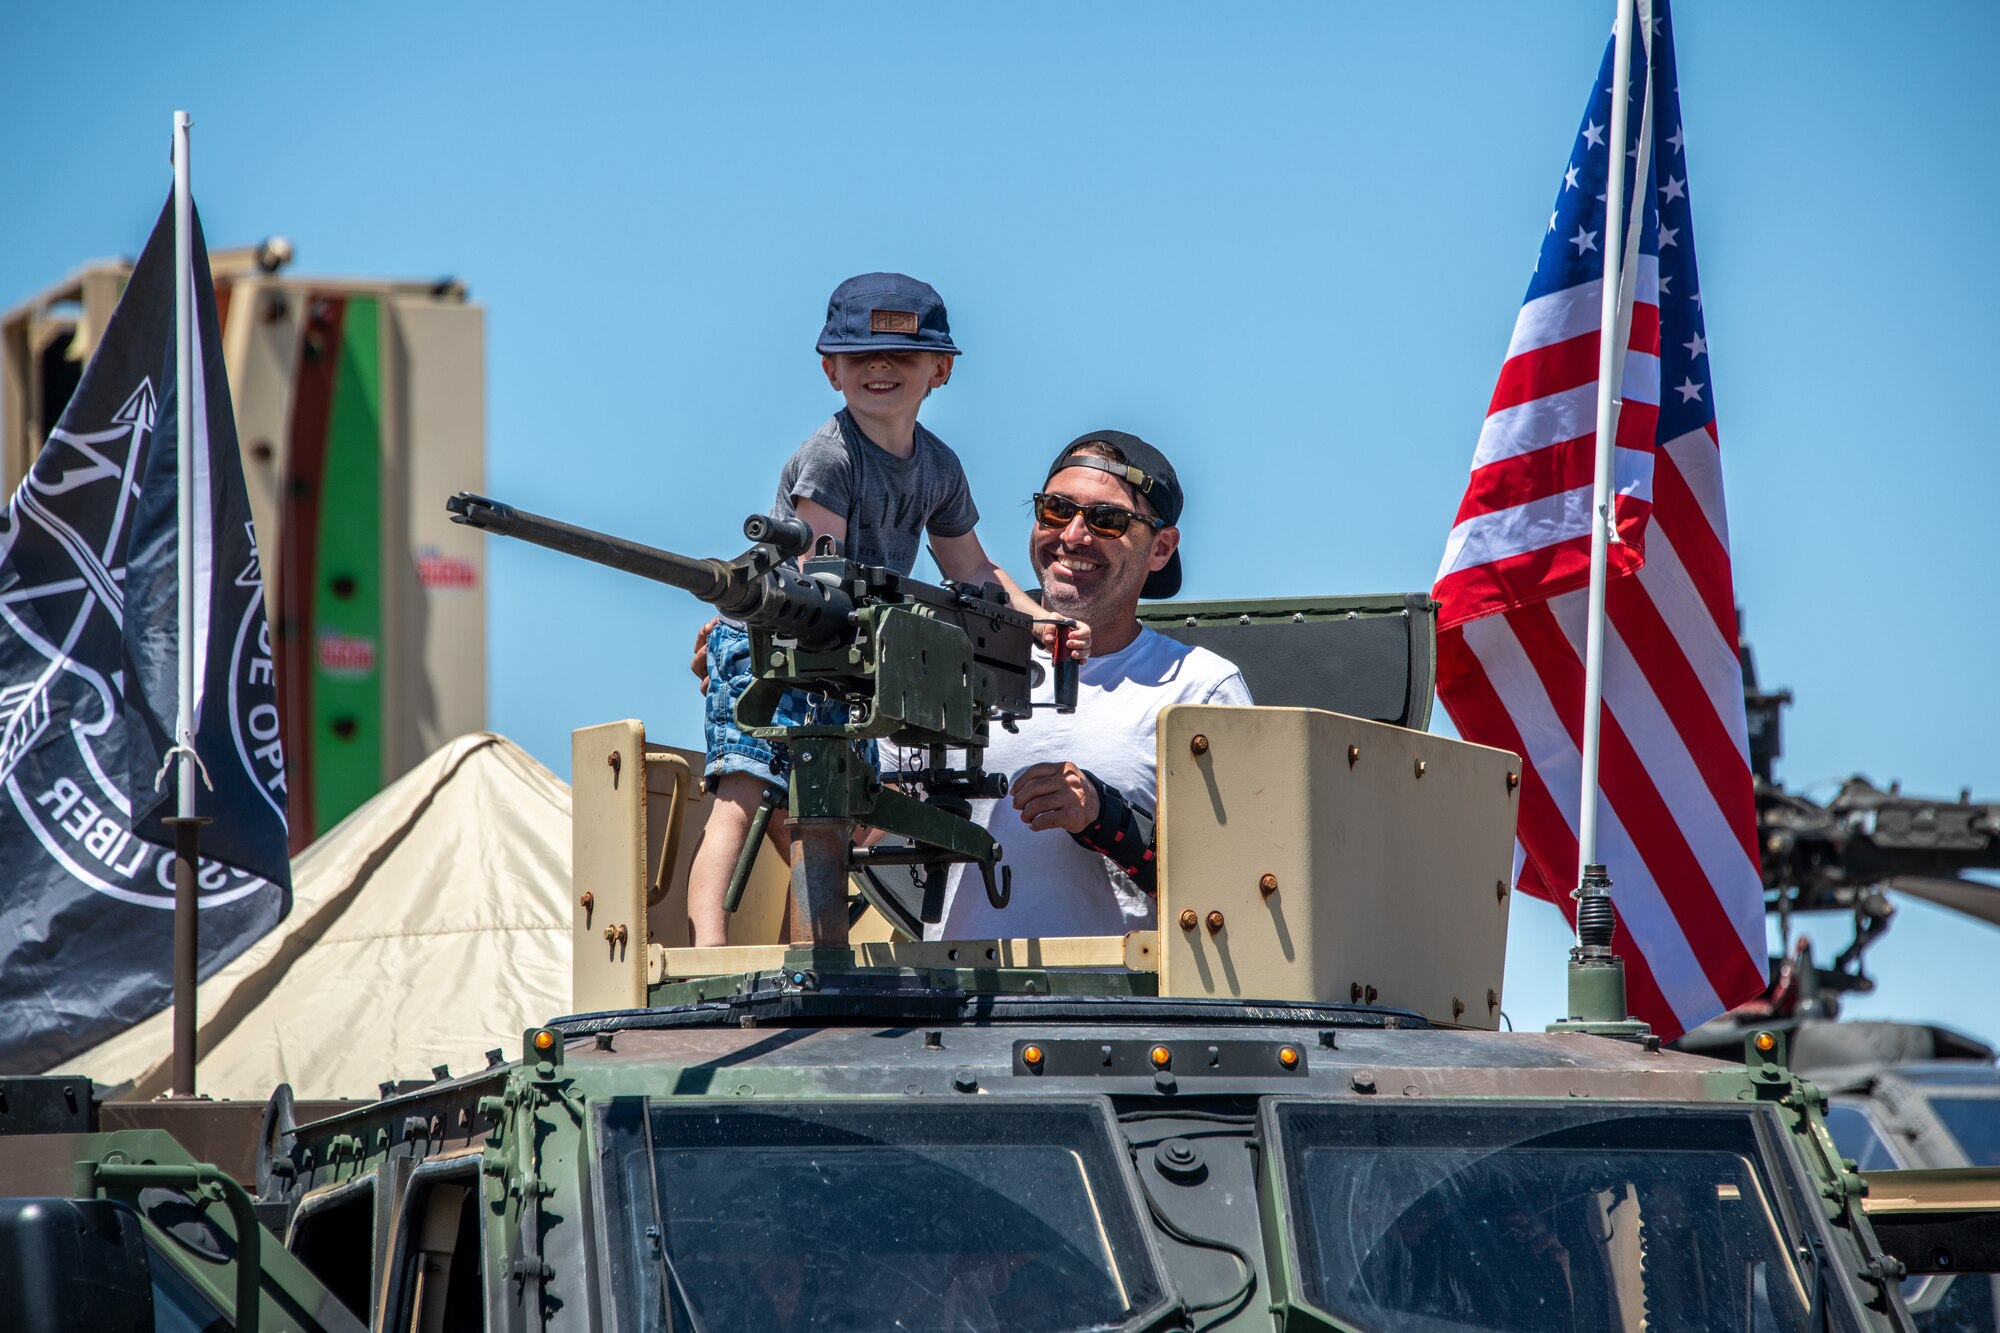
x=910, y=1216
x=178, y=1305
x=1975, y=1123
x=1527, y=1219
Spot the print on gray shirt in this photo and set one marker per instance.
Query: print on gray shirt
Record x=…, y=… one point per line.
x=899, y=499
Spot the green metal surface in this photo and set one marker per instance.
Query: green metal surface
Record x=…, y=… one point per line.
x=347, y=597
x=1370, y=656
x=1597, y=1001
x=1273, y=608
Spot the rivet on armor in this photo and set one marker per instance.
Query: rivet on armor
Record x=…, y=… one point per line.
x=1513, y=781
x=1188, y=919
x=1199, y=744
x=1420, y=768
x=1268, y=883
x=1353, y=755
x=1214, y=922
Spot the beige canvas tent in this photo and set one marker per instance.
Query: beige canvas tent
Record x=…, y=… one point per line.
x=428, y=927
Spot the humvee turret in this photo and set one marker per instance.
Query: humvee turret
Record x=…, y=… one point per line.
x=1288, y=1106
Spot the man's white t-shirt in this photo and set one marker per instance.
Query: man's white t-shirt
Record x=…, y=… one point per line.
x=1061, y=888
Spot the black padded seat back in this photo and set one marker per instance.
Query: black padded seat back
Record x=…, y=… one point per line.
x=1369, y=657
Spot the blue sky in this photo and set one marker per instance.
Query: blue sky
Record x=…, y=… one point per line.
x=1286, y=243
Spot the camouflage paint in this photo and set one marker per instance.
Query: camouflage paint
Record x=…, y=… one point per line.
x=530, y=1125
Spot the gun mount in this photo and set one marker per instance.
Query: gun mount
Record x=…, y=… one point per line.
x=927, y=667
x=1842, y=854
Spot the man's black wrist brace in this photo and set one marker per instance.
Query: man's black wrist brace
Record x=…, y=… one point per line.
x=1123, y=835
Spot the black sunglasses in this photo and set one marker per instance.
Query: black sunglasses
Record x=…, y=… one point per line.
x=1106, y=520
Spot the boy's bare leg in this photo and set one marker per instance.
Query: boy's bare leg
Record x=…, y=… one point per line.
x=736, y=798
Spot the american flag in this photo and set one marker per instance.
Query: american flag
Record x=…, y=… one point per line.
x=1676, y=824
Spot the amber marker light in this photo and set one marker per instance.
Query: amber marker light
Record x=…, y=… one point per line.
x=544, y=1040
x=1161, y=1057
x=1031, y=1056
x=1765, y=1042
x=1288, y=1056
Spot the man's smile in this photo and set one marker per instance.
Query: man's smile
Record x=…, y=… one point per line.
x=1068, y=563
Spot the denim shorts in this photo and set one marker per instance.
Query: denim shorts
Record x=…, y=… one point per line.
x=730, y=750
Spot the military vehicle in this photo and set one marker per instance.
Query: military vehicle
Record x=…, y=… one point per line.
x=1901, y=1095
x=1288, y=1107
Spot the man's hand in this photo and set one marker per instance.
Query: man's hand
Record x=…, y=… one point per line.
x=699, y=663
x=1055, y=796
x=1077, y=642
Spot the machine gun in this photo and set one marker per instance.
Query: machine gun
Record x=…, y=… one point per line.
x=928, y=667
x=1842, y=854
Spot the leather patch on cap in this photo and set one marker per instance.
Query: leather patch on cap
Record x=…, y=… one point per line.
x=892, y=321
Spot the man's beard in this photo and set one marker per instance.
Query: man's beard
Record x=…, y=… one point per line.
x=1089, y=608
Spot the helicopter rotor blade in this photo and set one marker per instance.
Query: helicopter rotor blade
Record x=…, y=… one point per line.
x=1969, y=896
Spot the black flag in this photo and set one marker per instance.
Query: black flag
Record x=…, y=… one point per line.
x=88, y=688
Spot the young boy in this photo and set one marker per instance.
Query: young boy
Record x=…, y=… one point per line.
x=874, y=479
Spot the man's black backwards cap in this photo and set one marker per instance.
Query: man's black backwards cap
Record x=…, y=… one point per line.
x=1148, y=472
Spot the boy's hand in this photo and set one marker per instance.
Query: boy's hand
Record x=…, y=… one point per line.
x=1078, y=640
x=699, y=663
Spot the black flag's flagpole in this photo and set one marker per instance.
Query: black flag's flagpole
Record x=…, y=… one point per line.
x=186, y=822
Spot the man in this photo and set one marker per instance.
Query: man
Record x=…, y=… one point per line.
x=1076, y=824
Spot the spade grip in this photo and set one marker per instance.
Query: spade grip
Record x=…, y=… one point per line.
x=1066, y=668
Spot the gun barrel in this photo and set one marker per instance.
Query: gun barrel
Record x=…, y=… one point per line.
x=758, y=587
x=709, y=580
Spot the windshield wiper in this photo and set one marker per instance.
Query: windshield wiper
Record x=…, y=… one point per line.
x=657, y=1234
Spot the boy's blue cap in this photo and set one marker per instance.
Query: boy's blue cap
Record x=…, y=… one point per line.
x=885, y=312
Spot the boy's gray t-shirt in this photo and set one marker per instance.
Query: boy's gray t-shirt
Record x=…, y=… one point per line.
x=892, y=503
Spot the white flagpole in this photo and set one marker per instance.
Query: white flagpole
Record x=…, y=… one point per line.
x=185, y=438
x=187, y=827
x=1610, y=374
